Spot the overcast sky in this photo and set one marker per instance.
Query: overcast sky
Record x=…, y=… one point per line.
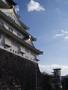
x=48, y=22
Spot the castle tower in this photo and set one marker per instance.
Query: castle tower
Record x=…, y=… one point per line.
x=14, y=37
x=18, y=54
x=57, y=79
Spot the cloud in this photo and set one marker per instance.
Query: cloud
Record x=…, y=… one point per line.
x=34, y=6
x=59, y=35
x=49, y=68
x=63, y=34
x=66, y=37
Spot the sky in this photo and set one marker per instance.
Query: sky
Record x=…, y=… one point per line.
x=48, y=22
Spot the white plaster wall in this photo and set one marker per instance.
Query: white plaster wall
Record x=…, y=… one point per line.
x=14, y=46
x=8, y=41
x=23, y=49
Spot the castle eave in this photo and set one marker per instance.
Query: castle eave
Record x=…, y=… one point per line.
x=22, y=24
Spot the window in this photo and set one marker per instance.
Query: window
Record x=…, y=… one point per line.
x=6, y=46
x=13, y=50
x=3, y=40
x=10, y=29
x=10, y=49
x=20, y=35
x=22, y=53
x=18, y=46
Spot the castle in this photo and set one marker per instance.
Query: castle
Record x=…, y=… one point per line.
x=18, y=55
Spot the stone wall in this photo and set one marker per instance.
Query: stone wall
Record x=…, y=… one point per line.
x=16, y=71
